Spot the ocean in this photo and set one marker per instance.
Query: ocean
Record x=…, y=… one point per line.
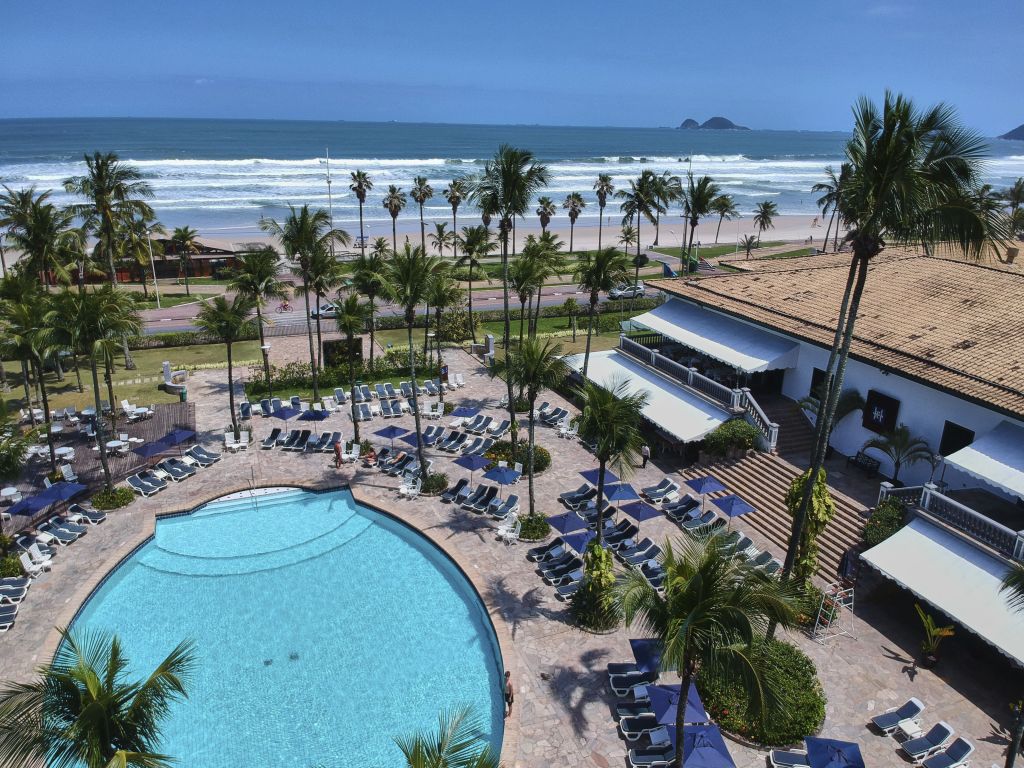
x=221, y=176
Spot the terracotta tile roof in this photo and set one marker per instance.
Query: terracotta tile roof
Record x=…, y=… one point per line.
x=950, y=324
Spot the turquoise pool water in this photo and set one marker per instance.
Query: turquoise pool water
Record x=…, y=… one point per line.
x=323, y=630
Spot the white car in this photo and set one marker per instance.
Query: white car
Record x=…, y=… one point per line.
x=627, y=291
x=325, y=310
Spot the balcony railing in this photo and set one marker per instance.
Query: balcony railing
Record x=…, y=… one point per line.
x=768, y=428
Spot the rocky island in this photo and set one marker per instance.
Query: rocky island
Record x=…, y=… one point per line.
x=712, y=123
x=1017, y=134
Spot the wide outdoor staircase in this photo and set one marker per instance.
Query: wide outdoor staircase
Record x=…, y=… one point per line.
x=762, y=480
x=796, y=435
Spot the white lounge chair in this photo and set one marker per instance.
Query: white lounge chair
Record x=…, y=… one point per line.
x=32, y=569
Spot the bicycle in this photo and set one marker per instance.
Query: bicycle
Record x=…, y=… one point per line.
x=284, y=306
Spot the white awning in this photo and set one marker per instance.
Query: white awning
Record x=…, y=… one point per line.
x=955, y=577
x=996, y=457
x=724, y=338
x=673, y=409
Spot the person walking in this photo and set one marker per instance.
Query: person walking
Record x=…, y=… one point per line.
x=509, y=694
x=645, y=453
x=337, y=454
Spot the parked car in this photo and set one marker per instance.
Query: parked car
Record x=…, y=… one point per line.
x=324, y=310
x=627, y=291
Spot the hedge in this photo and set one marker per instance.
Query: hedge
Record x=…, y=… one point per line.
x=120, y=496
x=884, y=522
x=502, y=451
x=733, y=435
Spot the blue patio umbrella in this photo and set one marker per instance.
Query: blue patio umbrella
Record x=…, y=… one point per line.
x=31, y=505
x=285, y=412
x=705, y=485
x=465, y=412
x=61, y=491
x=176, y=436
x=312, y=415
x=567, y=522
x=641, y=511
x=665, y=704
x=472, y=463
x=647, y=653
x=148, y=450
x=832, y=753
x=389, y=432
x=502, y=475
x=620, y=492
x=591, y=476
x=410, y=439
x=703, y=747
x=578, y=541
x=732, y=505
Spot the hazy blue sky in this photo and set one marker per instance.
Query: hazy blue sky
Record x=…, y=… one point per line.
x=784, y=64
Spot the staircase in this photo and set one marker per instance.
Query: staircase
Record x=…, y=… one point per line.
x=796, y=435
x=762, y=480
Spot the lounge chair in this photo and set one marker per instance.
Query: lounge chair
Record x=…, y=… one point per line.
x=178, y=470
x=892, y=719
x=31, y=569
x=663, y=485
x=385, y=462
x=621, y=685
x=271, y=440
x=634, y=727
x=15, y=582
x=954, y=756
x=265, y=409
x=554, y=417
x=300, y=443
x=482, y=427
x=460, y=380
x=382, y=394
x=401, y=466
x=642, y=546
x=474, y=424
x=507, y=508
x=474, y=497
x=584, y=487
x=37, y=556
x=696, y=524
x=140, y=486
x=289, y=441
x=389, y=391
x=480, y=507
x=453, y=445
x=788, y=758
x=364, y=412
x=668, y=493
x=245, y=410
x=364, y=390
x=314, y=444
x=578, y=502
x=10, y=597
x=334, y=438
x=150, y=477
x=66, y=525
x=93, y=516
x=276, y=404
x=68, y=473
x=484, y=448
x=197, y=460
x=431, y=388
x=453, y=492
x=433, y=435
x=198, y=450
x=406, y=389
x=469, y=447
x=933, y=741
x=567, y=562
x=500, y=430
x=554, y=549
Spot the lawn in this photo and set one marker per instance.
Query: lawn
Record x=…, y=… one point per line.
x=711, y=252
x=169, y=299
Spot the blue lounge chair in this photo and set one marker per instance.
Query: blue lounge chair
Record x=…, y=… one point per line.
x=271, y=440
x=265, y=408
x=788, y=758
x=954, y=756
x=890, y=720
x=933, y=741
x=389, y=389
x=150, y=477
x=140, y=486
x=452, y=493
x=245, y=410
x=340, y=396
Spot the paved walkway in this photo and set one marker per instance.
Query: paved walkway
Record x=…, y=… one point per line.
x=563, y=715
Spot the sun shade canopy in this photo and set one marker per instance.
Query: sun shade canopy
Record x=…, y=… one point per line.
x=996, y=458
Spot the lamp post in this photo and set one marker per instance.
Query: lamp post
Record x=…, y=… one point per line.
x=152, y=265
x=266, y=370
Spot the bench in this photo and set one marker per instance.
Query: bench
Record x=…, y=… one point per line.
x=865, y=462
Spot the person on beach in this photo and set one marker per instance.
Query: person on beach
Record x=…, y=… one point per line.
x=645, y=453
x=509, y=695
x=337, y=454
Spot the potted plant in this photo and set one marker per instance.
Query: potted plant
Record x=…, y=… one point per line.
x=933, y=636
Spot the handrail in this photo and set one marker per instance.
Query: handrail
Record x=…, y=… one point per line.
x=977, y=526
x=910, y=494
x=768, y=428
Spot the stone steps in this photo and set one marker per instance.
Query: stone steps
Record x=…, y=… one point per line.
x=796, y=435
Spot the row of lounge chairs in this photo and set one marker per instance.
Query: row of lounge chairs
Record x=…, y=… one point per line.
x=172, y=470
x=456, y=442
x=935, y=748
x=301, y=440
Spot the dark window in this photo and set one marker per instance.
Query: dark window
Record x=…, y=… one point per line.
x=880, y=412
x=817, y=382
x=954, y=437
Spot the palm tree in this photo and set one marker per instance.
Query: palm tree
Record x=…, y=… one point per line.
x=610, y=420
x=41, y=231
x=135, y=246
x=599, y=271
x=666, y=189
x=829, y=190
x=546, y=208
x=699, y=197
x=912, y=175
x=524, y=277
x=421, y=192
x=185, y=247
x=603, y=187
x=82, y=710
x=394, y=201
x=459, y=743
x=323, y=275
x=476, y=244
x=360, y=185
x=443, y=293
x=441, y=238
x=1013, y=586
x=255, y=276
x=408, y=280
x=902, y=448
x=1014, y=196
x=369, y=280
x=509, y=183
x=229, y=322
x=725, y=207
x=455, y=193
x=351, y=319
x=628, y=236
x=546, y=251
x=639, y=202
x=574, y=204
x=713, y=607
x=304, y=234
x=748, y=243
x=763, y=215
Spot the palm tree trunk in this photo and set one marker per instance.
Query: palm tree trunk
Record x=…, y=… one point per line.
x=373, y=328
x=231, y=394
x=590, y=330
x=410, y=315
x=319, y=335
x=3, y=378
x=572, y=231
x=108, y=377
x=27, y=383
x=657, y=227
x=362, y=236
x=352, y=384
x=394, y=234
x=685, y=681
x=689, y=247
x=455, y=238
x=57, y=367
x=522, y=317
x=129, y=363
x=504, y=280
x=312, y=353
x=99, y=420
x=437, y=340
x=530, y=445
x=835, y=240
x=46, y=415
x=263, y=345
x=184, y=269
x=600, y=226
x=78, y=374
x=1016, y=734
x=469, y=298
x=600, y=496
x=717, y=231
x=828, y=229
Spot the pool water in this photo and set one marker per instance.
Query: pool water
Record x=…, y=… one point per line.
x=323, y=629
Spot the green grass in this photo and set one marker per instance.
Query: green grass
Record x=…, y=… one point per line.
x=710, y=252
x=788, y=254
x=170, y=299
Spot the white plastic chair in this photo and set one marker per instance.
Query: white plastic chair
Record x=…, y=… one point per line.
x=510, y=535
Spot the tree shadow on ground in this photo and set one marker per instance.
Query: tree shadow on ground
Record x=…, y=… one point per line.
x=516, y=609
x=575, y=689
x=471, y=524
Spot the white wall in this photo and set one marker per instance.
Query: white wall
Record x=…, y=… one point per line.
x=923, y=409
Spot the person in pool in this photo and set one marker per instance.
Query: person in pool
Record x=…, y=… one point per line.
x=509, y=694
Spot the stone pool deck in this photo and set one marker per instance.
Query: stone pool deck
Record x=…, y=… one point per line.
x=563, y=710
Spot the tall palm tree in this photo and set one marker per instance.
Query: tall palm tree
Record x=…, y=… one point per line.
x=599, y=271
x=699, y=197
x=459, y=742
x=666, y=189
x=546, y=250
x=394, y=201
x=83, y=709
x=726, y=208
x=408, y=279
x=369, y=279
x=255, y=276
x=510, y=181
x=476, y=244
x=628, y=237
x=1014, y=196
x=43, y=233
x=638, y=202
x=137, y=247
x=229, y=322
x=713, y=607
x=546, y=208
x=525, y=275
x=829, y=191
x=323, y=276
x=421, y=192
x=351, y=320
x=441, y=238
x=574, y=204
x=764, y=213
x=902, y=448
x=610, y=420
x=361, y=184
x=603, y=188
x=912, y=178
x=443, y=293
x=305, y=233
x=63, y=324
x=186, y=245
x=455, y=193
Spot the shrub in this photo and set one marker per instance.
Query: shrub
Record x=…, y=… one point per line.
x=119, y=497
x=534, y=528
x=884, y=522
x=436, y=482
x=10, y=566
x=593, y=605
x=795, y=681
x=449, y=407
x=810, y=603
x=734, y=435
x=502, y=451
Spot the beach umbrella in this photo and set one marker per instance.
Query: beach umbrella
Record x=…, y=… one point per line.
x=705, y=485
x=312, y=415
x=703, y=747
x=176, y=436
x=647, y=653
x=502, y=475
x=591, y=476
x=641, y=511
x=61, y=491
x=390, y=432
x=465, y=412
x=578, y=541
x=410, y=439
x=148, y=450
x=285, y=412
x=732, y=505
x=472, y=463
x=665, y=704
x=567, y=522
x=620, y=492
x=30, y=506
x=832, y=753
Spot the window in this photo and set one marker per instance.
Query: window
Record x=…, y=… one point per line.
x=954, y=437
x=817, y=382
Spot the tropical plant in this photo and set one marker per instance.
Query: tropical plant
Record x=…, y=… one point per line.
x=351, y=319
x=525, y=275
x=442, y=293
x=14, y=445
x=421, y=192
x=1014, y=195
x=255, y=276
x=599, y=271
x=574, y=204
x=712, y=609
x=368, y=279
x=394, y=201
x=475, y=244
x=699, y=198
x=764, y=213
x=455, y=193
x=361, y=184
x=84, y=711
x=603, y=188
x=666, y=190
x=911, y=177
x=546, y=208
x=639, y=202
x=830, y=189
x=823, y=509
x=305, y=233
x=733, y=435
x=322, y=276
x=933, y=633
x=628, y=236
x=901, y=447
x=726, y=208
x=228, y=321
x=137, y=248
x=546, y=252
x=41, y=231
x=748, y=243
x=186, y=245
x=441, y=238
x=884, y=521
x=459, y=742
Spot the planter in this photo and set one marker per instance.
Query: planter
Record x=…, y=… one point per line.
x=927, y=661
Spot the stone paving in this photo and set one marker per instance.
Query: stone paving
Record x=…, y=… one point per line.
x=563, y=707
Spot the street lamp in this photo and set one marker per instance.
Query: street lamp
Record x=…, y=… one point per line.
x=152, y=265
x=266, y=370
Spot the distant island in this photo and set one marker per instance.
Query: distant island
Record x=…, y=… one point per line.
x=1017, y=134
x=714, y=124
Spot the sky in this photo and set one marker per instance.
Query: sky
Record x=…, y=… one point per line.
x=784, y=65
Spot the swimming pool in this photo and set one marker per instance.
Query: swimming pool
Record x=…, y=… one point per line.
x=323, y=629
